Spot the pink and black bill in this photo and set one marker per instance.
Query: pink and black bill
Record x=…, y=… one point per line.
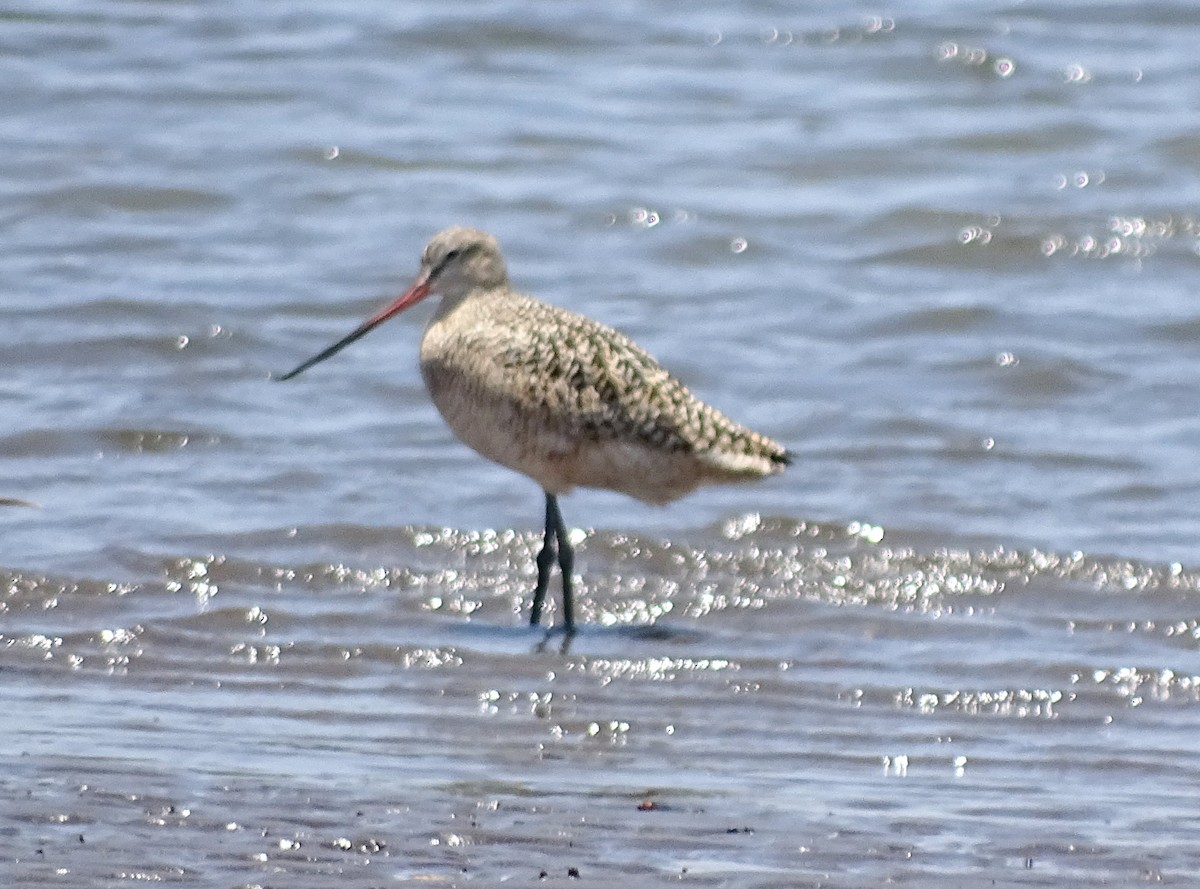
x=413, y=295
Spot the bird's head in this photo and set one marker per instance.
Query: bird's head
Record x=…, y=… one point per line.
x=457, y=262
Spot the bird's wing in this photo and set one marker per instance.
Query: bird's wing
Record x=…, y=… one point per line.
x=587, y=380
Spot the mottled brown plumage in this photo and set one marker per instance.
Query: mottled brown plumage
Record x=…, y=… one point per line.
x=559, y=397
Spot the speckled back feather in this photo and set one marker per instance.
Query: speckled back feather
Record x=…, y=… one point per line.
x=567, y=400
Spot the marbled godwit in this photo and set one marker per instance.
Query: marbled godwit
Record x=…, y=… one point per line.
x=562, y=398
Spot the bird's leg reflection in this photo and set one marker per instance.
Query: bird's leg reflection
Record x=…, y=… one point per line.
x=568, y=636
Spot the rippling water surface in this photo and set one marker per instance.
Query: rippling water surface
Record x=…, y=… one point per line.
x=261, y=634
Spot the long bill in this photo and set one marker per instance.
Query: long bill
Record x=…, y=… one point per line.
x=414, y=294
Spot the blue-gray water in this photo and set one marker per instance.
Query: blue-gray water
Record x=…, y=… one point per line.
x=262, y=633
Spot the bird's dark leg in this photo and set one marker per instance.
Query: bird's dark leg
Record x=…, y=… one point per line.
x=545, y=560
x=566, y=560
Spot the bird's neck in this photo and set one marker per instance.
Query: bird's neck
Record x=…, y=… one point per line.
x=466, y=298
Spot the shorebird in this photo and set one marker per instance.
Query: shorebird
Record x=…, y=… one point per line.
x=566, y=400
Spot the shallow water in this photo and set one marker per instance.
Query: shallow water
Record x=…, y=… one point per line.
x=274, y=634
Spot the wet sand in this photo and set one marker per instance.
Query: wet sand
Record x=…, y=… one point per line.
x=774, y=704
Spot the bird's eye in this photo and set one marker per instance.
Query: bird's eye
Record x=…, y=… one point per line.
x=446, y=260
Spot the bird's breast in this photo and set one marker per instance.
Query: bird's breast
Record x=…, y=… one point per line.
x=489, y=402
x=571, y=403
